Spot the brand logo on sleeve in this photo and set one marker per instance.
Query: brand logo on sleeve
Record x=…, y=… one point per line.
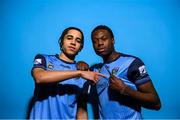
x=142, y=70
x=37, y=61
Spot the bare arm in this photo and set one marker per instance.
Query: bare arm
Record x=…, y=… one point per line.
x=42, y=76
x=146, y=94
x=82, y=108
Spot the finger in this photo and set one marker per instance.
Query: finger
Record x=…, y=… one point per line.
x=96, y=78
x=102, y=75
x=86, y=67
x=94, y=81
x=111, y=86
x=111, y=80
x=82, y=68
x=113, y=76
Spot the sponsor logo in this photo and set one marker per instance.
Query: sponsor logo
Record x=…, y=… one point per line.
x=142, y=70
x=37, y=61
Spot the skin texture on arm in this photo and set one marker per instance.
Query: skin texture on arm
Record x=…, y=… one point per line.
x=82, y=108
x=42, y=76
x=146, y=94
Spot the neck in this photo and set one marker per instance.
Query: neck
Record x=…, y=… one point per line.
x=66, y=58
x=111, y=57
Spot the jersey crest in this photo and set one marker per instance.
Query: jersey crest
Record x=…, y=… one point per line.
x=50, y=65
x=115, y=70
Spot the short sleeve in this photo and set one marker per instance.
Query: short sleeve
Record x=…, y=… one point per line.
x=39, y=62
x=137, y=72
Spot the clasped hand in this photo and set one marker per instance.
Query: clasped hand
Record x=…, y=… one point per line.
x=116, y=84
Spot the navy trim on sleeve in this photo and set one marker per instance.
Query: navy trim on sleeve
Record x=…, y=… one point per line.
x=142, y=80
x=137, y=72
x=39, y=62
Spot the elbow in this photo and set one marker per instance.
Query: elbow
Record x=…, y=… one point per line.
x=153, y=106
x=158, y=106
x=39, y=79
x=39, y=75
x=157, y=103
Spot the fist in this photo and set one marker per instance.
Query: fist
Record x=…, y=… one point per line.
x=81, y=65
x=116, y=83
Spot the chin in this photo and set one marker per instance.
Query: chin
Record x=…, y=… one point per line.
x=73, y=54
x=102, y=54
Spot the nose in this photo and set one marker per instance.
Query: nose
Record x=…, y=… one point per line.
x=73, y=42
x=100, y=42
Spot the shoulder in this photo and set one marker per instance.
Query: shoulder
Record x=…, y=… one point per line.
x=128, y=56
x=40, y=59
x=39, y=55
x=44, y=56
x=136, y=65
x=136, y=60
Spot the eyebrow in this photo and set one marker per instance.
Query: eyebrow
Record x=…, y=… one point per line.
x=73, y=36
x=103, y=36
x=69, y=36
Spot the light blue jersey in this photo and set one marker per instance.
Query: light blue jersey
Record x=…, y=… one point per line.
x=111, y=104
x=56, y=100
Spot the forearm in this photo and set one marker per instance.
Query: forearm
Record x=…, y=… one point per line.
x=82, y=114
x=82, y=107
x=54, y=76
x=145, y=99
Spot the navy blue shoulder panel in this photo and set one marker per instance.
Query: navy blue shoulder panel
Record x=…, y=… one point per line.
x=39, y=61
x=137, y=72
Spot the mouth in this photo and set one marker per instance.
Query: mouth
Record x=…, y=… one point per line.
x=72, y=48
x=101, y=50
